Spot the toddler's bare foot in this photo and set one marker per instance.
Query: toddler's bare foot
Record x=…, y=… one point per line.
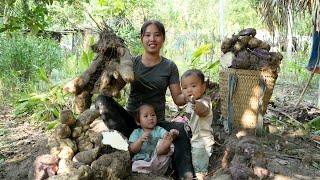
x=173, y=133
x=164, y=147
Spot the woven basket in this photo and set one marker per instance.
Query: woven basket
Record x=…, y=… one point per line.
x=246, y=95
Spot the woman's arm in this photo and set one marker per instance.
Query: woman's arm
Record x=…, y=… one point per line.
x=176, y=94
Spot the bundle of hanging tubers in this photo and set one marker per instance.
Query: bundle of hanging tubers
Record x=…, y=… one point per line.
x=244, y=51
x=109, y=72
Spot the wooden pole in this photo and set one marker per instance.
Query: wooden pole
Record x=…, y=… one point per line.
x=319, y=95
x=311, y=76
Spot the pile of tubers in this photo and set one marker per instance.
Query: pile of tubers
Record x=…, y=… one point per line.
x=76, y=147
x=77, y=152
x=244, y=51
x=243, y=158
x=111, y=69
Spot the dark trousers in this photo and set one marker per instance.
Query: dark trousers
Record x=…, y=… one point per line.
x=116, y=117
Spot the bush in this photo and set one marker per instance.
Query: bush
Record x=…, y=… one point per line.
x=20, y=58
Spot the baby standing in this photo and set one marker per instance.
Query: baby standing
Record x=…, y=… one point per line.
x=199, y=119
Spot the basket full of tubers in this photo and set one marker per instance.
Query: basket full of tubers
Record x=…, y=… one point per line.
x=248, y=75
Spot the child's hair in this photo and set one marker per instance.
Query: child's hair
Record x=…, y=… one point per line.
x=159, y=25
x=193, y=72
x=137, y=118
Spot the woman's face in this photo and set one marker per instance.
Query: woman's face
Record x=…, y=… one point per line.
x=152, y=39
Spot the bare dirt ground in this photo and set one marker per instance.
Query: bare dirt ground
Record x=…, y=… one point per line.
x=290, y=152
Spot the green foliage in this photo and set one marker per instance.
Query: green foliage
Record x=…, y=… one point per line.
x=122, y=8
x=316, y=165
x=125, y=17
x=4, y=131
x=19, y=15
x=31, y=15
x=66, y=16
x=45, y=105
x=199, y=60
x=53, y=124
x=241, y=15
x=294, y=71
x=313, y=124
x=88, y=56
x=204, y=49
x=20, y=58
x=126, y=31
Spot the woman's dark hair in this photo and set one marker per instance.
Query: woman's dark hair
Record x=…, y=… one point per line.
x=193, y=72
x=159, y=25
x=137, y=118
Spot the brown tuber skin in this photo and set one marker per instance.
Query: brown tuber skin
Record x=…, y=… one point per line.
x=248, y=32
x=87, y=157
x=238, y=47
x=126, y=65
x=226, y=44
x=67, y=117
x=88, y=116
x=241, y=172
x=254, y=43
x=62, y=131
x=108, y=73
x=77, y=84
x=114, y=90
x=83, y=101
x=244, y=39
x=265, y=46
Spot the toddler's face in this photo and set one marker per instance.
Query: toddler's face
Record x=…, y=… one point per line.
x=192, y=86
x=148, y=118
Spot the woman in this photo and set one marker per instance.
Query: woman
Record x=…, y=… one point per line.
x=153, y=75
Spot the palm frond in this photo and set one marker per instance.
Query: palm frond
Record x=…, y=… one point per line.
x=275, y=12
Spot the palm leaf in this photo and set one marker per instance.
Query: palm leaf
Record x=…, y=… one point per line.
x=275, y=12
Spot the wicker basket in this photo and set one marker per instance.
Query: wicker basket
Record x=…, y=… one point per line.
x=246, y=95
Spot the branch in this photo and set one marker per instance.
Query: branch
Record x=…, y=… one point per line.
x=287, y=115
x=311, y=76
x=93, y=20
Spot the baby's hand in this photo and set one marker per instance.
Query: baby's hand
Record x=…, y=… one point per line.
x=189, y=99
x=145, y=137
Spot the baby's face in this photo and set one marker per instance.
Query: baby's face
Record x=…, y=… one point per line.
x=148, y=117
x=192, y=86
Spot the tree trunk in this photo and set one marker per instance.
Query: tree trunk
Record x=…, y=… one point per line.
x=289, y=36
x=221, y=13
